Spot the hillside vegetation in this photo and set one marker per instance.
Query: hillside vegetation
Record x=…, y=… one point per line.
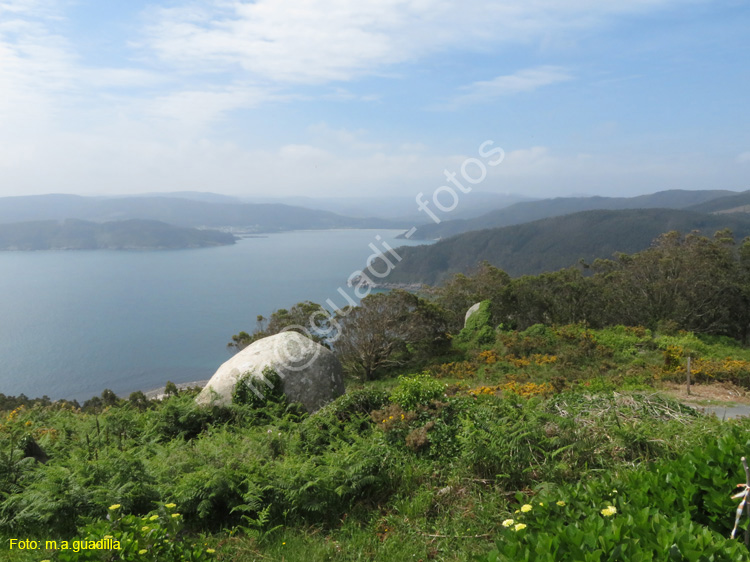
x=555, y=243
x=528, y=211
x=530, y=434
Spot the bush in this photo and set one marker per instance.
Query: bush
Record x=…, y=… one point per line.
x=478, y=329
x=670, y=510
x=417, y=390
x=158, y=537
x=252, y=390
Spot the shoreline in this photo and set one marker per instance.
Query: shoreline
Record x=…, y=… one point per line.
x=158, y=393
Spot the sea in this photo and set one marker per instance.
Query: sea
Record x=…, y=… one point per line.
x=73, y=323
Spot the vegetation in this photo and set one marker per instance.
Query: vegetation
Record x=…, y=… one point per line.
x=550, y=244
x=296, y=318
x=688, y=282
x=704, y=201
x=388, y=330
x=538, y=433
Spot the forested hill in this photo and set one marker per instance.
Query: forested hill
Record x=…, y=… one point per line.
x=118, y=235
x=528, y=211
x=555, y=243
x=179, y=212
x=737, y=202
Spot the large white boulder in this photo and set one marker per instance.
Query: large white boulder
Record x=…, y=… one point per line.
x=310, y=373
x=474, y=308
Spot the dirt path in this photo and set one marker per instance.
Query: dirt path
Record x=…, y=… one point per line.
x=725, y=400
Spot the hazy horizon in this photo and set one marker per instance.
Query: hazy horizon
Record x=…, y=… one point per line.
x=333, y=99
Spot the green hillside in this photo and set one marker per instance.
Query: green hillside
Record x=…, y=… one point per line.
x=554, y=243
x=535, y=210
x=731, y=203
x=530, y=434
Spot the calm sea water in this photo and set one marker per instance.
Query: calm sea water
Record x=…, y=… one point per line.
x=75, y=323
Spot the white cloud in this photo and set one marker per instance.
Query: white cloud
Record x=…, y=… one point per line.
x=66, y=125
x=314, y=41
x=526, y=80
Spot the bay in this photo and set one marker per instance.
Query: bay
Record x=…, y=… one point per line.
x=75, y=323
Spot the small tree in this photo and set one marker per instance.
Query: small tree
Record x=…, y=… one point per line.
x=171, y=389
x=301, y=314
x=389, y=329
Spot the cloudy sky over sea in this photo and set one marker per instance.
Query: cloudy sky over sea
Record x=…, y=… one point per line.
x=356, y=98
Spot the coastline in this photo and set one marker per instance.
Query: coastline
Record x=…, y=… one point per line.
x=159, y=393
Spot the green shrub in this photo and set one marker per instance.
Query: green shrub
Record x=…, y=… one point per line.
x=257, y=392
x=181, y=417
x=478, y=329
x=158, y=536
x=417, y=390
x=535, y=339
x=626, y=342
x=674, y=509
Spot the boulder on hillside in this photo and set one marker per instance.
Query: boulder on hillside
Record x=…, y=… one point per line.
x=478, y=325
x=310, y=373
x=471, y=311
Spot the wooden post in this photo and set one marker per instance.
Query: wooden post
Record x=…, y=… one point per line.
x=688, y=375
x=747, y=482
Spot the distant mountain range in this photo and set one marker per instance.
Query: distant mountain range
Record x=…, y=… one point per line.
x=734, y=203
x=134, y=234
x=181, y=211
x=528, y=211
x=555, y=243
x=399, y=208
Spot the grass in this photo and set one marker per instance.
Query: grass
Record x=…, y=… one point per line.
x=533, y=412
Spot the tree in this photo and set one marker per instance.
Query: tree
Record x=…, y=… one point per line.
x=389, y=329
x=308, y=315
x=170, y=389
x=139, y=400
x=462, y=291
x=692, y=281
x=562, y=297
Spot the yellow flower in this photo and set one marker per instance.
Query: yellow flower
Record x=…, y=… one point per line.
x=142, y=551
x=609, y=511
x=517, y=511
x=115, y=506
x=283, y=543
x=541, y=504
x=561, y=503
x=525, y=508
x=105, y=537
x=154, y=517
x=175, y=515
x=170, y=505
x=211, y=550
x=519, y=527
x=508, y=522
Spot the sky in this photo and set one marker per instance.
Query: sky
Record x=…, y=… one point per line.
x=359, y=98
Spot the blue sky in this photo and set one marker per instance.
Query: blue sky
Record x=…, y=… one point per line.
x=372, y=97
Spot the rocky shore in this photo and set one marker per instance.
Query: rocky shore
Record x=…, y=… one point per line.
x=366, y=282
